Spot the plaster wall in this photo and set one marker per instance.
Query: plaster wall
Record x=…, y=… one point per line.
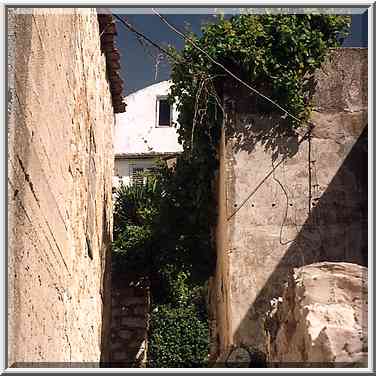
x=290, y=200
x=136, y=130
x=219, y=303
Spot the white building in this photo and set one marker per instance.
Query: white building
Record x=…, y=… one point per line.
x=145, y=132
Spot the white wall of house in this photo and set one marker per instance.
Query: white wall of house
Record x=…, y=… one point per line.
x=137, y=131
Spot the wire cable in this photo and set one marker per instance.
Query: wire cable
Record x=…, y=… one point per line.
x=286, y=209
x=304, y=137
x=131, y=28
x=189, y=40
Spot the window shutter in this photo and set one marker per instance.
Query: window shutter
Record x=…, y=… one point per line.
x=137, y=176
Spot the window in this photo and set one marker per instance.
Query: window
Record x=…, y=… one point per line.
x=139, y=174
x=163, y=112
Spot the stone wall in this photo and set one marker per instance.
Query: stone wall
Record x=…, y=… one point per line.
x=289, y=200
x=60, y=164
x=129, y=323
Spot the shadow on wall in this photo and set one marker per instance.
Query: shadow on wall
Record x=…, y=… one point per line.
x=19, y=183
x=129, y=322
x=106, y=284
x=325, y=236
x=274, y=133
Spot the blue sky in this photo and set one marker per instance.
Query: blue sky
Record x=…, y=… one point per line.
x=138, y=63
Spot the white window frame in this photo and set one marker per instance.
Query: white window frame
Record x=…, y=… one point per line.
x=158, y=99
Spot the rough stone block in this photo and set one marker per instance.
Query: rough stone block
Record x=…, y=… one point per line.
x=322, y=316
x=130, y=301
x=285, y=200
x=134, y=322
x=141, y=310
x=120, y=356
x=125, y=334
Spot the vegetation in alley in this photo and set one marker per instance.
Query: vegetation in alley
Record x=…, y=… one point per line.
x=163, y=229
x=154, y=239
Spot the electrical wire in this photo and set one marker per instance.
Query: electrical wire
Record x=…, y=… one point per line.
x=189, y=40
x=286, y=209
x=304, y=137
x=141, y=35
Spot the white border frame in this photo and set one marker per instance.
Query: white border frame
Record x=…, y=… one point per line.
x=215, y=3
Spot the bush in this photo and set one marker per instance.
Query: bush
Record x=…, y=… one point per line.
x=179, y=337
x=174, y=286
x=136, y=204
x=160, y=234
x=135, y=215
x=131, y=250
x=276, y=53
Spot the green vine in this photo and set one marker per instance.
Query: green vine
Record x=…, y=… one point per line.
x=276, y=54
x=164, y=230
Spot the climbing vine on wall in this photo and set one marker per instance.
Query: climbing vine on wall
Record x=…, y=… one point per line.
x=173, y=242
x=276, y=54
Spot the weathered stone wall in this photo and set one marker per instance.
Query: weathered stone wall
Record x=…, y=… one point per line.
x=290, y=201
x=129, y=323
x=321, y=319
x=60, y=164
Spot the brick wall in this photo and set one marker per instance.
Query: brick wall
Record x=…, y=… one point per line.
x=60, y=164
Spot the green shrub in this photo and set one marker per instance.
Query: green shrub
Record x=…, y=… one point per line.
x=135, y=214
x=161, y=235
x=136, y=204
x=276, y=53
x=173, y=286
x=179, y=337
x=131, y=250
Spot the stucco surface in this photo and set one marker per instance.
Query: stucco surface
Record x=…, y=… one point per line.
x=60, y=164
x=312, y=208
x=136, y=130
